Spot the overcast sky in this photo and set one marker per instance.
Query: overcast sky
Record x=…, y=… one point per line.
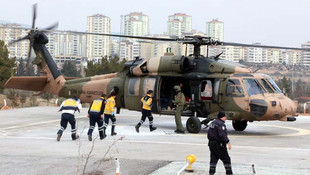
x=270, y=22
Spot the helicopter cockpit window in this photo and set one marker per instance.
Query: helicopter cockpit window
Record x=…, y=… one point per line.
x=234, y=88
x=266, y=85
x=133, y=86
x=253, y=87
x=274, y=85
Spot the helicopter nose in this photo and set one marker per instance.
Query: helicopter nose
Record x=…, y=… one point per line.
x=289, y=106
x=281, y=107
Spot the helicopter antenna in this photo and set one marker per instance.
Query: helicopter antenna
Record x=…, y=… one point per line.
x=217, y=57
x=256, y=70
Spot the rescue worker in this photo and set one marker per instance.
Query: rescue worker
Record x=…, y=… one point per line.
x=179, y=102
x=109, y=114
x=95, y=115
x=68, y=108
x=146, y=111
x=217, y=135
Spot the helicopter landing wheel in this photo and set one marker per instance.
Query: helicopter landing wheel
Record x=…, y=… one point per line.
x=239, y=125
x=193, y=125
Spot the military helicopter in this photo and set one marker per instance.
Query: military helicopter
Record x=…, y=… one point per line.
x=209, y=83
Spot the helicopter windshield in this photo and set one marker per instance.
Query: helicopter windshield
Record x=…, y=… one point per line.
x=266, y=85
x=274, y=85
x=253, y=87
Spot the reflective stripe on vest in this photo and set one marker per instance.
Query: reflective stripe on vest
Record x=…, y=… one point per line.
x=96, y=106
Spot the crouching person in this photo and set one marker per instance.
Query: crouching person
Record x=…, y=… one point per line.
x=68, y=108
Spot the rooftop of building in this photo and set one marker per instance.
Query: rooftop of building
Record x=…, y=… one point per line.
x=99, y=15
x=215, y=21
x=136, y=14
x=180, y=14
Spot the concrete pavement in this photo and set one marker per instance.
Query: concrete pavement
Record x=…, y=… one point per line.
x=28, y=146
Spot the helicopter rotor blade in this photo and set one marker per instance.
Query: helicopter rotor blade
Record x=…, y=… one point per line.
x=34, y=15
x=260, y=46
x=18, y=40
x=29, y=50
x=125, y=36
x=51, y=27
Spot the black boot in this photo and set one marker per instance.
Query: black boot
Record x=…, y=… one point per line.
x=90, y=137
x=58, y=136
x=104, y=135
x=152, y=128
x=112, y=131
x=75, y=136
x=137, y=127
x=101, y=135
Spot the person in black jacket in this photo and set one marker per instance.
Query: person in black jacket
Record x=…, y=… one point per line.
x=95, y=115
x=217, y=135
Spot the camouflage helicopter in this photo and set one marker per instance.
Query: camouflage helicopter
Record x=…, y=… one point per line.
x=209, y=83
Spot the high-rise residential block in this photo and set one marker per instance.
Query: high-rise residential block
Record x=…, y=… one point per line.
x=178, y=24
x=215, y=29
x=136, y=24
x=98, y=46
x=8, y=34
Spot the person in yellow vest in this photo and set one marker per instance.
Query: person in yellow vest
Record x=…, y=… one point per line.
x=146, y=111
x=68, y=108
x=109, y=114
x=95, y=115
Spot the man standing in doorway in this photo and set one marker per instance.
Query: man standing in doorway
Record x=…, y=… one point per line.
x=179, y=102
x=217, y=135
x=146, y=111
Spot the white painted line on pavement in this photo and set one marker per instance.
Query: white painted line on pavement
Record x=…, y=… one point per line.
x=164, y=143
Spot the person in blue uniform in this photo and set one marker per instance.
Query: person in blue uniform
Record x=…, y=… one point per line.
x=68, y=108
x=217, y=135
x=95, y=115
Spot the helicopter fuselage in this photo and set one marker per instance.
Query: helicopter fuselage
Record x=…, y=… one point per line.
x=243, y=95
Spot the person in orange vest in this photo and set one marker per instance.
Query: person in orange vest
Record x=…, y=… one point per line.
x=68, y=108
x=109, y=114
x=95, y=115
x=146, y=111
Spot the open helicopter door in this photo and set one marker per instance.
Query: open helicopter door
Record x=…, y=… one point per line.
x=166, y=94
x=207, y=97
x=211, y=95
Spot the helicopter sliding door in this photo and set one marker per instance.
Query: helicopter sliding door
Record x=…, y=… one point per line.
x=137, y=87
